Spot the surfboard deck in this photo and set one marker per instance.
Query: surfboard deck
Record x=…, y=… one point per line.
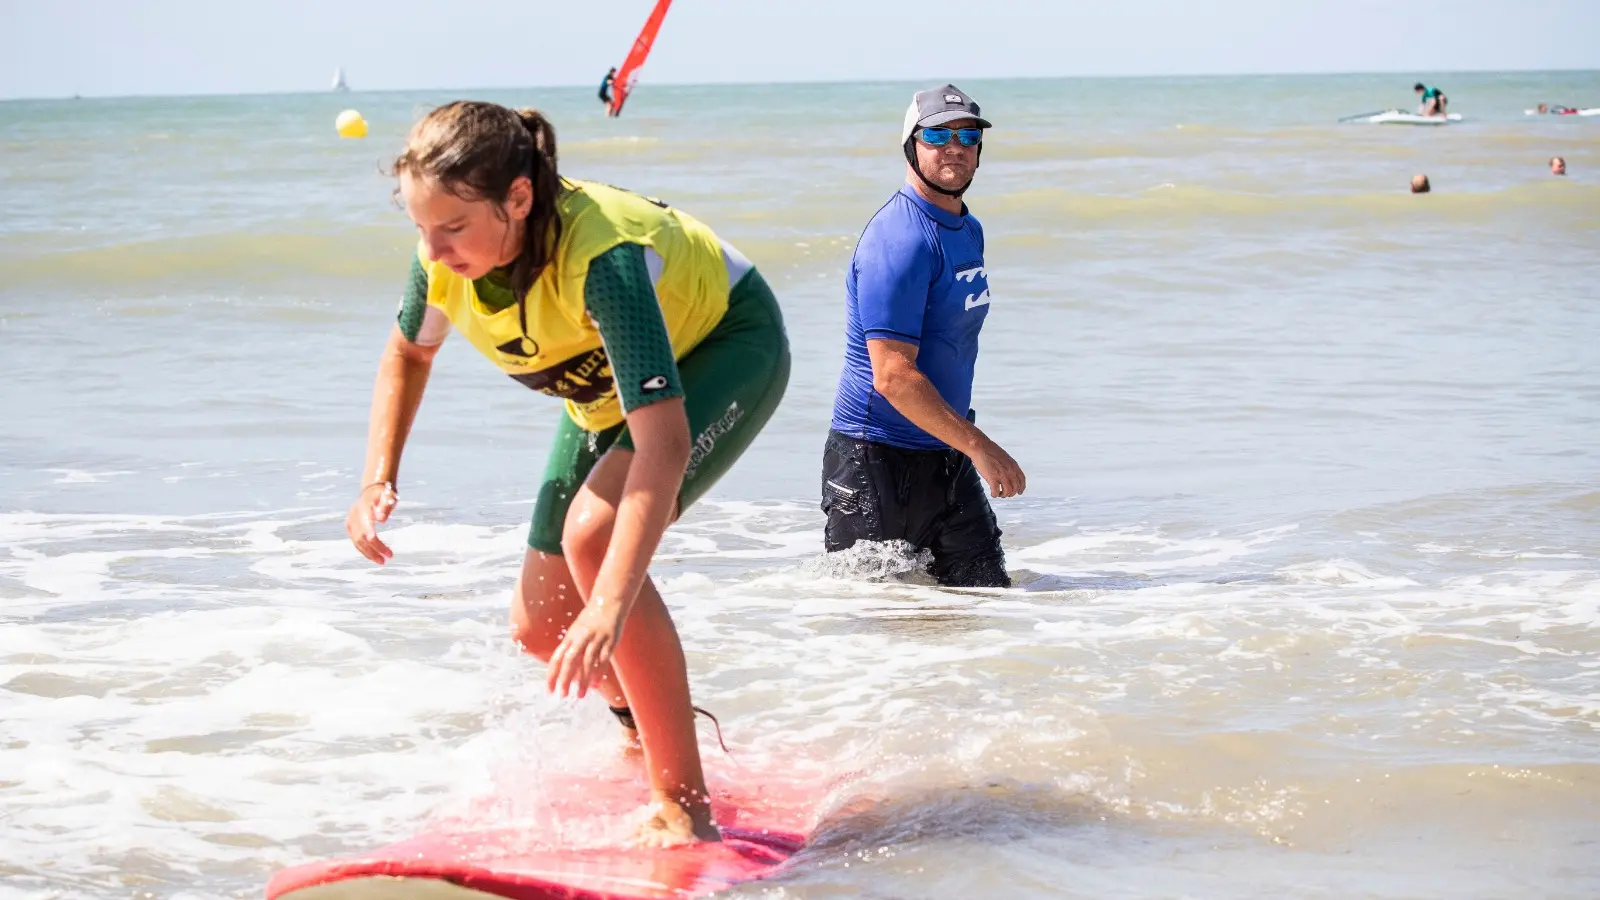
x=1401, y=117
x=486, y=864
x=458, y=861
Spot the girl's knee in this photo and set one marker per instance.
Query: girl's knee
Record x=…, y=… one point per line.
x=584, y=542
x=543, y=604
x=531, y=627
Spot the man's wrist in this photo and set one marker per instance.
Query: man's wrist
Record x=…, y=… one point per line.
x=973, y=440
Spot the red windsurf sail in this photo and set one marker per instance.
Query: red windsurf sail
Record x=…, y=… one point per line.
x=629, y=73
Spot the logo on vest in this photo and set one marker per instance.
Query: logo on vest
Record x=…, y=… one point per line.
x=523, y=347
x=584, y=379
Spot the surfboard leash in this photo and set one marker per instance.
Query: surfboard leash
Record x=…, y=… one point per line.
x=625, y=716
x=715, y=724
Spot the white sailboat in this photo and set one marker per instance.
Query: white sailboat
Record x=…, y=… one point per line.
x=338, y=80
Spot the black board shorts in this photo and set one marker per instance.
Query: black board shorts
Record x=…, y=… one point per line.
x=932, y=499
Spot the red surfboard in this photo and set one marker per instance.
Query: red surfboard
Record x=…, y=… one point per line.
x=628, y=74
x=457, y=860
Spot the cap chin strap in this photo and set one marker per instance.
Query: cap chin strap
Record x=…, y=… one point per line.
x=911, y=157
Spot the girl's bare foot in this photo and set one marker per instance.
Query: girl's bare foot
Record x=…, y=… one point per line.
x=672, y=824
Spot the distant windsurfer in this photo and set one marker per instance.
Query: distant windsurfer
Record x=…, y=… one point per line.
x=605, y=85
x=1433, y=100
x=621, y=85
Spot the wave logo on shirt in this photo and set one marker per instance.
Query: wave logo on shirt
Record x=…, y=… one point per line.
x=971, y=273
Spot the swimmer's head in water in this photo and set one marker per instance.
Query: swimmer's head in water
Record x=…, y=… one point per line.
x=480, y=182
x=1420, y=185
x=1558, y=166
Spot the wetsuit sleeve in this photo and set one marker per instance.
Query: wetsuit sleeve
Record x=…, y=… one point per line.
x=893, y=269
x=622, y=302
x=419, y=322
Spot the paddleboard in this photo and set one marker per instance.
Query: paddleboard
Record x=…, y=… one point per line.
x=1591, y=111
x=1401, y=117
x=456, y=860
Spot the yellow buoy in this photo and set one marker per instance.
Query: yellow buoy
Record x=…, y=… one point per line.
x=351, y=125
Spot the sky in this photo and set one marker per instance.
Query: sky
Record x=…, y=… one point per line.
x=58, y=48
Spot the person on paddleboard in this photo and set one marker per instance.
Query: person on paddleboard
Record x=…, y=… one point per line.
x=669, y=351
x=1433, y=100
x=904, y=459
x=605, y=85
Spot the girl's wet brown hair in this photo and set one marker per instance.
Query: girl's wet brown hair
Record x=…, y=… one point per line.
x=476, y=151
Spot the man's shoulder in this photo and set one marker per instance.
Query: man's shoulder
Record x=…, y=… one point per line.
x=974, y=224
x=897, y=222
x=896, y=212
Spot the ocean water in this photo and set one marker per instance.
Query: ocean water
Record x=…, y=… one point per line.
x=1308, y=571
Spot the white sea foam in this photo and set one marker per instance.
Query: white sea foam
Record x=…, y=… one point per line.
x=78, y=476
x=292, y=690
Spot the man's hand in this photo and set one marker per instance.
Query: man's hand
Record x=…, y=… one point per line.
x=1004, y=477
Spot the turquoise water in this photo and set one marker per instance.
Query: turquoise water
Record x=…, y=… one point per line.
x=1309, y=565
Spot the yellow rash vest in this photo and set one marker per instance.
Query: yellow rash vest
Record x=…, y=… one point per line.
x=549, y=341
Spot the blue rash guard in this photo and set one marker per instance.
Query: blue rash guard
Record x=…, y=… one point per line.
x=917, y=276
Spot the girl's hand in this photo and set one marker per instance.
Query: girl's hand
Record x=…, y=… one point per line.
x=586, y=648
x=377, y=500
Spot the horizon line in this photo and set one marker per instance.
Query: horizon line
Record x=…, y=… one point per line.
x=815, y=81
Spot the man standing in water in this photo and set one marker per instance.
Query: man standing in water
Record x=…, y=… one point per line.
x=904, y=459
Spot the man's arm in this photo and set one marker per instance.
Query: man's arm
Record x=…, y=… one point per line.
x=895, y=375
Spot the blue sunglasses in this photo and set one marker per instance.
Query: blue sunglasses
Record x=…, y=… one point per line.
x=938, y=137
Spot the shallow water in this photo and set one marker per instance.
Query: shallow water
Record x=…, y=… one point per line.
x=1308, y=570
